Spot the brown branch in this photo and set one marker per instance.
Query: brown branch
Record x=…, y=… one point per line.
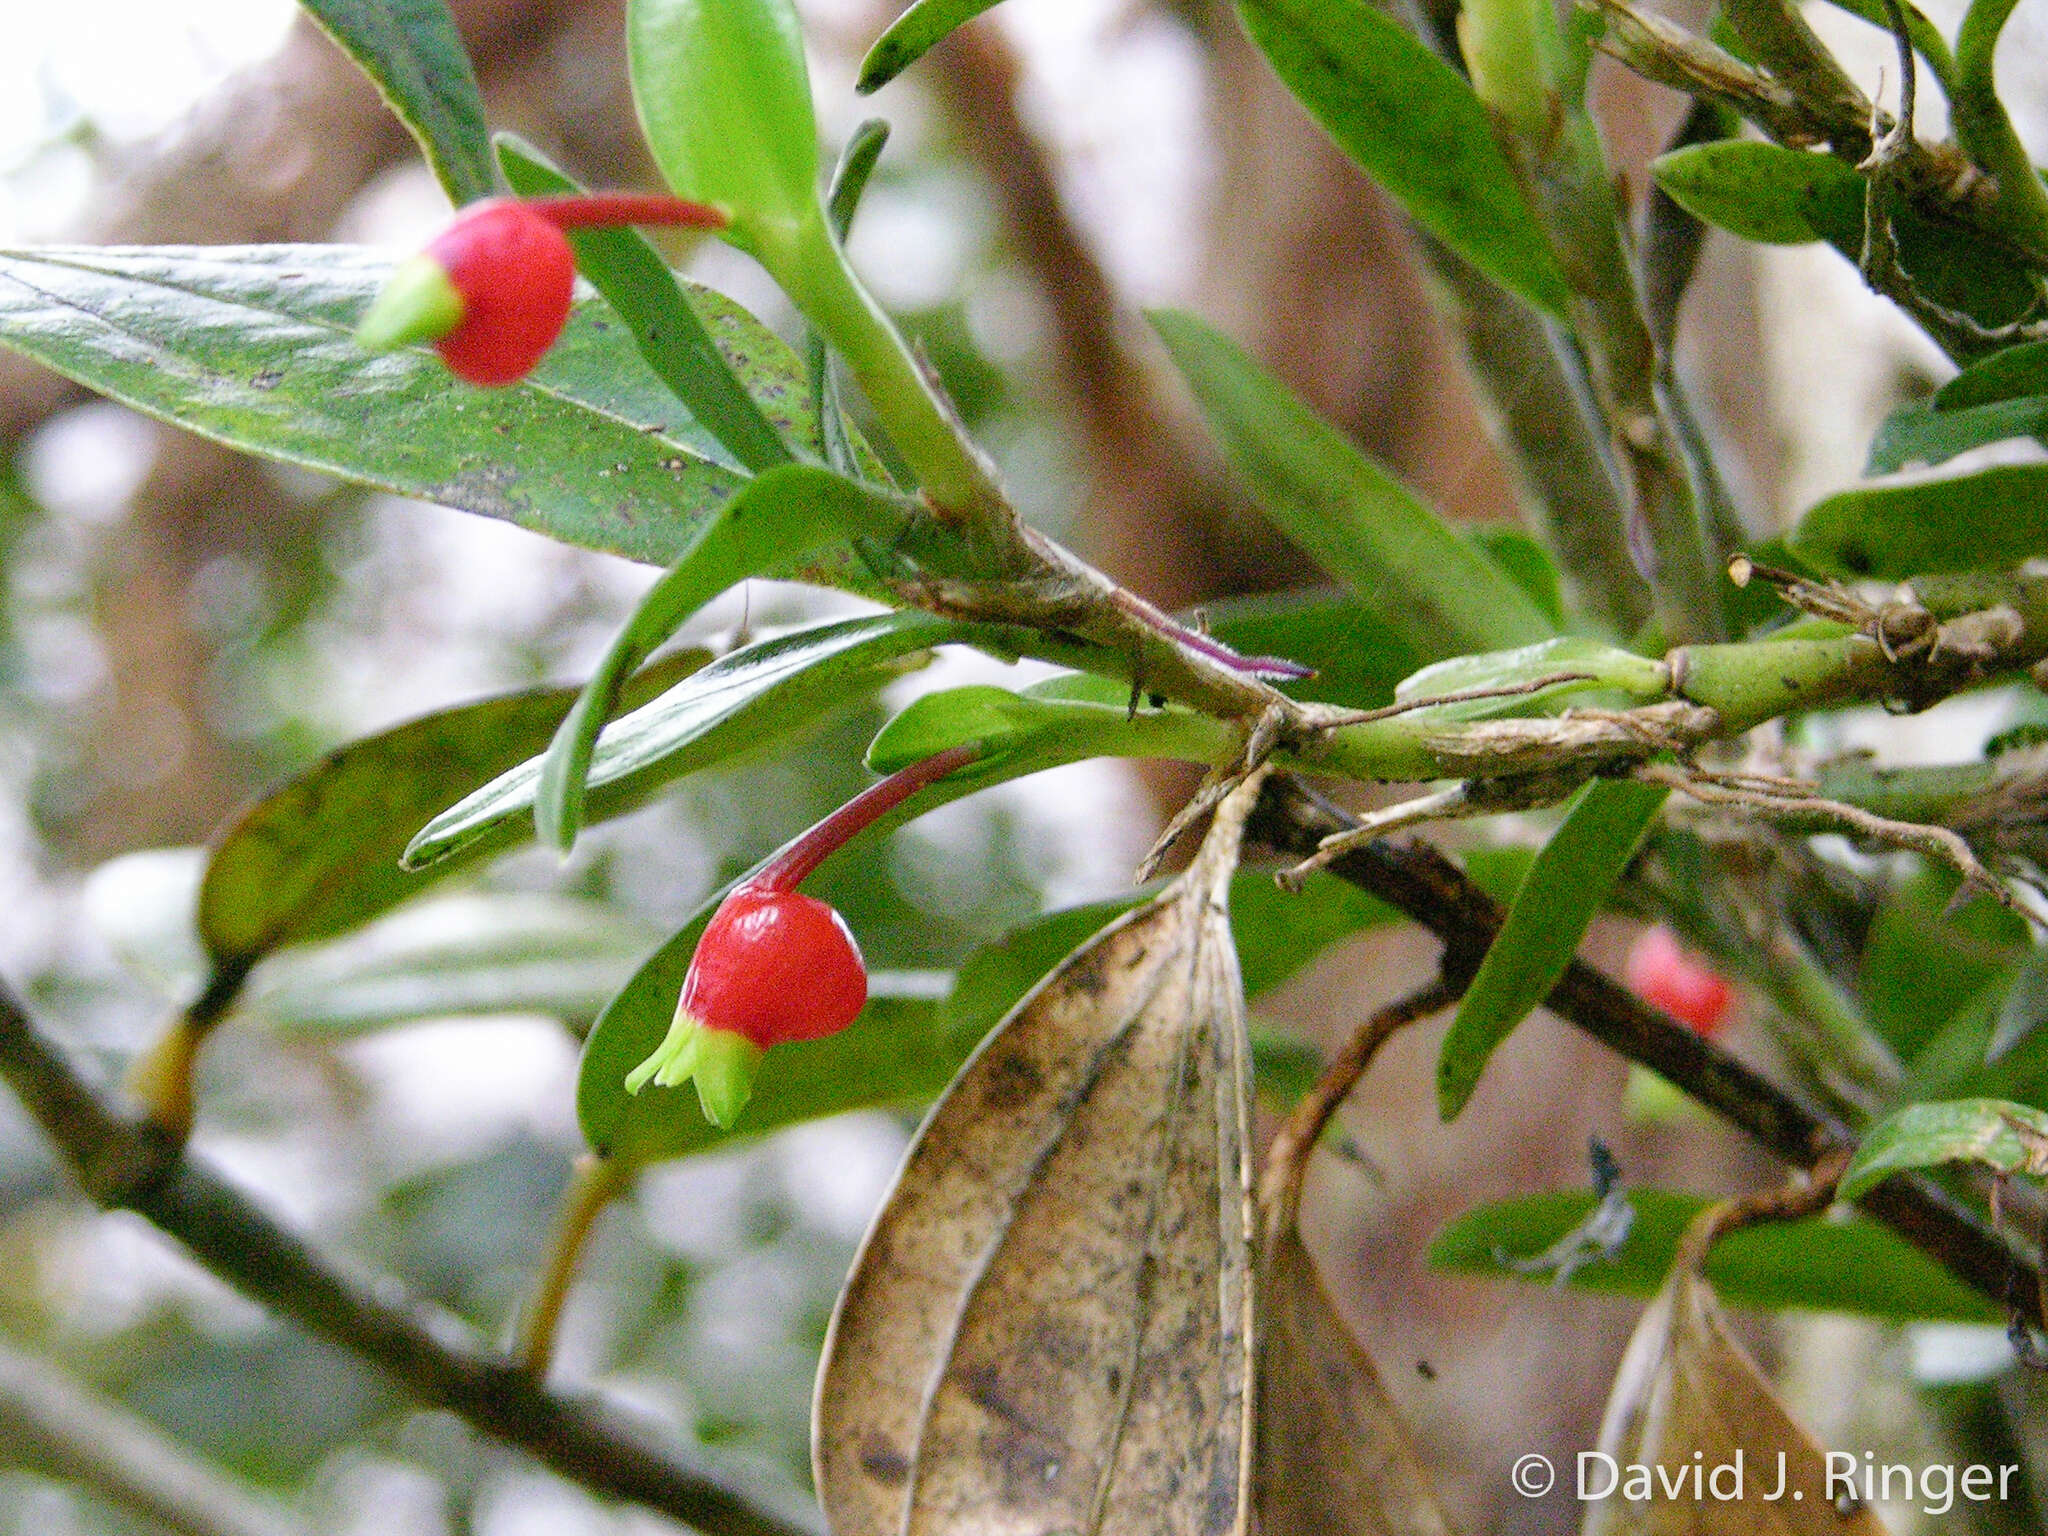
x=1420, y=882
x=124, y=1163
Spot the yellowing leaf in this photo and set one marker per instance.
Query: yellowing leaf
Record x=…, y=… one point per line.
x=1695, y=1442
x=1049, y=1326
x=1333, y=1458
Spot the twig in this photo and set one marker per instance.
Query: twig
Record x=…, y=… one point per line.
x=1287, y=1157
x=126, y=1163
x=1421, y=883
x=53, y=1423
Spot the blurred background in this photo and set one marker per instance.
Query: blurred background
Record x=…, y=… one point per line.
x=180, y=627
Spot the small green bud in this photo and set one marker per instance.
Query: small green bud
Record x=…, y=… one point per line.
x=419, y=303
x=725, y=101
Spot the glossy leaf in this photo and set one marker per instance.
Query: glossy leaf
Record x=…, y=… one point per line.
x=1052, y=1313
x=414, y=53
x=624, y=266
x=1357, y=655
x=1021, y=732
x=465, y=955
x=778, y=519
x=1992, y=519
x=1415, y=126
x=1438, y=592
x=318, y=855
x=1993, y=1133
x=1599, y=668
x=251, y=346
x=1916, y=434
x=1825, y=1264
x=911, y=36
x=1763, y=192
x=2005, y=374
x=764, y=691
x=1566, y=886
x=724, y=98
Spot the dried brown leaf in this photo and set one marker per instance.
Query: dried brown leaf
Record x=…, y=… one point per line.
x=1724, y=1457
x=1333, y=1458
x=1049, y=1326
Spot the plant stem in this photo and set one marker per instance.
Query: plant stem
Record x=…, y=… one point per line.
x=125, y=1163
x=613, y=210
x=811, y=266
x=1986, y=132
x=1419, y=881
x=594, y=1183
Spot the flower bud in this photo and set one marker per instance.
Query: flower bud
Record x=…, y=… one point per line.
x=1659, y=971
x=491, y=291
x=773, y=967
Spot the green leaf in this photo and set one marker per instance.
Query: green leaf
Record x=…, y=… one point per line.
x=1763, y=192
x=1600, y=668
x=1992, y=519
x=1821, y=1264
x=625, y=267
x=318, y=855
x=777, y=519
x=554, y=956
x=1526, y=563
x=251, y=346
x=1357, y=655
x=912, y=35
x=411, y=49
x=1415, y=126
x=1921, y=962
x=1918, y=434
x=724, y=98
x=761, y=693
x=2021, y=370
x=1569, y=883
x=1994, y=1133
x=1022, y=732
x=1438, y=592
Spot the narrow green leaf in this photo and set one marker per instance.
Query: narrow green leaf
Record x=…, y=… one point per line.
x=1442, y=595
x=1921, y=962
x=857, y=163
x=252, y=346
x=318, y=855
x=1822, y=1264
x=1917, y=434
x=1017, y=728
x=1566, y=886
x=468, y=955
x=764, y=692
x=912, y=35
x=1526, y=563
x=1595, y=667
x=1763, y=192
x=1992, y=519
x=1357, y=655
x=411, y=49
x=1415, y=126
x=777, y=519
x=1993, y=1133
x=2021, y=370
x=625, y=267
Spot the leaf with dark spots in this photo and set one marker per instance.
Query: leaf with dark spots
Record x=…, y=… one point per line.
x=1049, y=1326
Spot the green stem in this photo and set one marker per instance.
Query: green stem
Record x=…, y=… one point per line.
x=813, y=270
x=593, y=1185
x=1986, y=132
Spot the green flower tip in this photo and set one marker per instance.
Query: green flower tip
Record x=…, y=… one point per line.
x=419, y=303
x=720, y=1062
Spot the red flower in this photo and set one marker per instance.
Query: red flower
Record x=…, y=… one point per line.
x=1659, y=971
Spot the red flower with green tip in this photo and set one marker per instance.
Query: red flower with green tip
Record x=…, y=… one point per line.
x=492, y=290
x=775, y=966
